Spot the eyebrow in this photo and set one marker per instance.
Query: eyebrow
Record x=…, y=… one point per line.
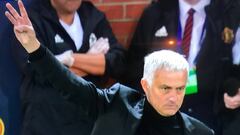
x=165, y=86
x=169, y=87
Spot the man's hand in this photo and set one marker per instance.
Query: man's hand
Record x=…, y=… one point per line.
x=100, y=46
x=23, y=28
x=66, y=58
x=232, y=102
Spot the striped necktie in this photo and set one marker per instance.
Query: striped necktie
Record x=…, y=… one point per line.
x=187, y=35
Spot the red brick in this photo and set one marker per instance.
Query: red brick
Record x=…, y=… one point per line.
x=123, y=16
x=94, y=1
x=134, y=11
x=125, y=40
x=112, y=11
x=123, y=28
x=128, y=42
x=122, y=40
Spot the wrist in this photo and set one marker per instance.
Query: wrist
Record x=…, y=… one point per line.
x=33, y=46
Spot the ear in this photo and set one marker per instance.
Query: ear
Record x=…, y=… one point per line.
x=145, y=85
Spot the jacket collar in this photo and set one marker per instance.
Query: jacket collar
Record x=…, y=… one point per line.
x=90, y=18
x=188, y=126
x=213, y=28
x=226, y=4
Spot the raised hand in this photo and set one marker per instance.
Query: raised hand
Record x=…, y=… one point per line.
x=23, y=28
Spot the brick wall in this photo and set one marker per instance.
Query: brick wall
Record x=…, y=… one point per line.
x=123, y=16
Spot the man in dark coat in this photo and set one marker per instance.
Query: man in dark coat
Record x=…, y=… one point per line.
x=161, y=26
x=119, y=110
x=63, y=25
x=230, y=102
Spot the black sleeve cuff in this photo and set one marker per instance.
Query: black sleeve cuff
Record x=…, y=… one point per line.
x=38, y=54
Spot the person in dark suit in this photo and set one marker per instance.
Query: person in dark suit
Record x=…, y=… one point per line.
x=230, y=109
x=163, y=25
x=227, y=106
x=119, y=110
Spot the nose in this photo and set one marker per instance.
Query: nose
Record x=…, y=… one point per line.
x=173, y=96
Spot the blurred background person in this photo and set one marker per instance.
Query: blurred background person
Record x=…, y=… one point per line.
x=227, y=104
x=230, y=100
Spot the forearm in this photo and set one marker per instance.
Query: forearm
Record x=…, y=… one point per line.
x=90, y=63
x=78, y=72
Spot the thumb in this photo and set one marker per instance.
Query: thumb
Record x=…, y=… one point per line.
x=225, y=95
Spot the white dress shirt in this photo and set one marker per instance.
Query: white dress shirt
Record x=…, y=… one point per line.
x=74, y=30
x=236, y=48
x=198, y=31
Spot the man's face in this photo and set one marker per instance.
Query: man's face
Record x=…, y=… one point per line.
x=167, y=91
x=66, y=6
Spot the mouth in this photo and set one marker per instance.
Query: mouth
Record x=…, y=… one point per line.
x=171, y=107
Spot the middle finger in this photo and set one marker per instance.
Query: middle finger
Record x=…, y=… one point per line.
x=12, y=11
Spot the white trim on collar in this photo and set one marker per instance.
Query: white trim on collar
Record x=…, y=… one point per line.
x=199, y=7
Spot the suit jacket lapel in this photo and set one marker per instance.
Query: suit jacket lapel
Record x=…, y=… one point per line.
x=212, y=30
x=169, y=20
x=89, y=20
x=172, y=19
